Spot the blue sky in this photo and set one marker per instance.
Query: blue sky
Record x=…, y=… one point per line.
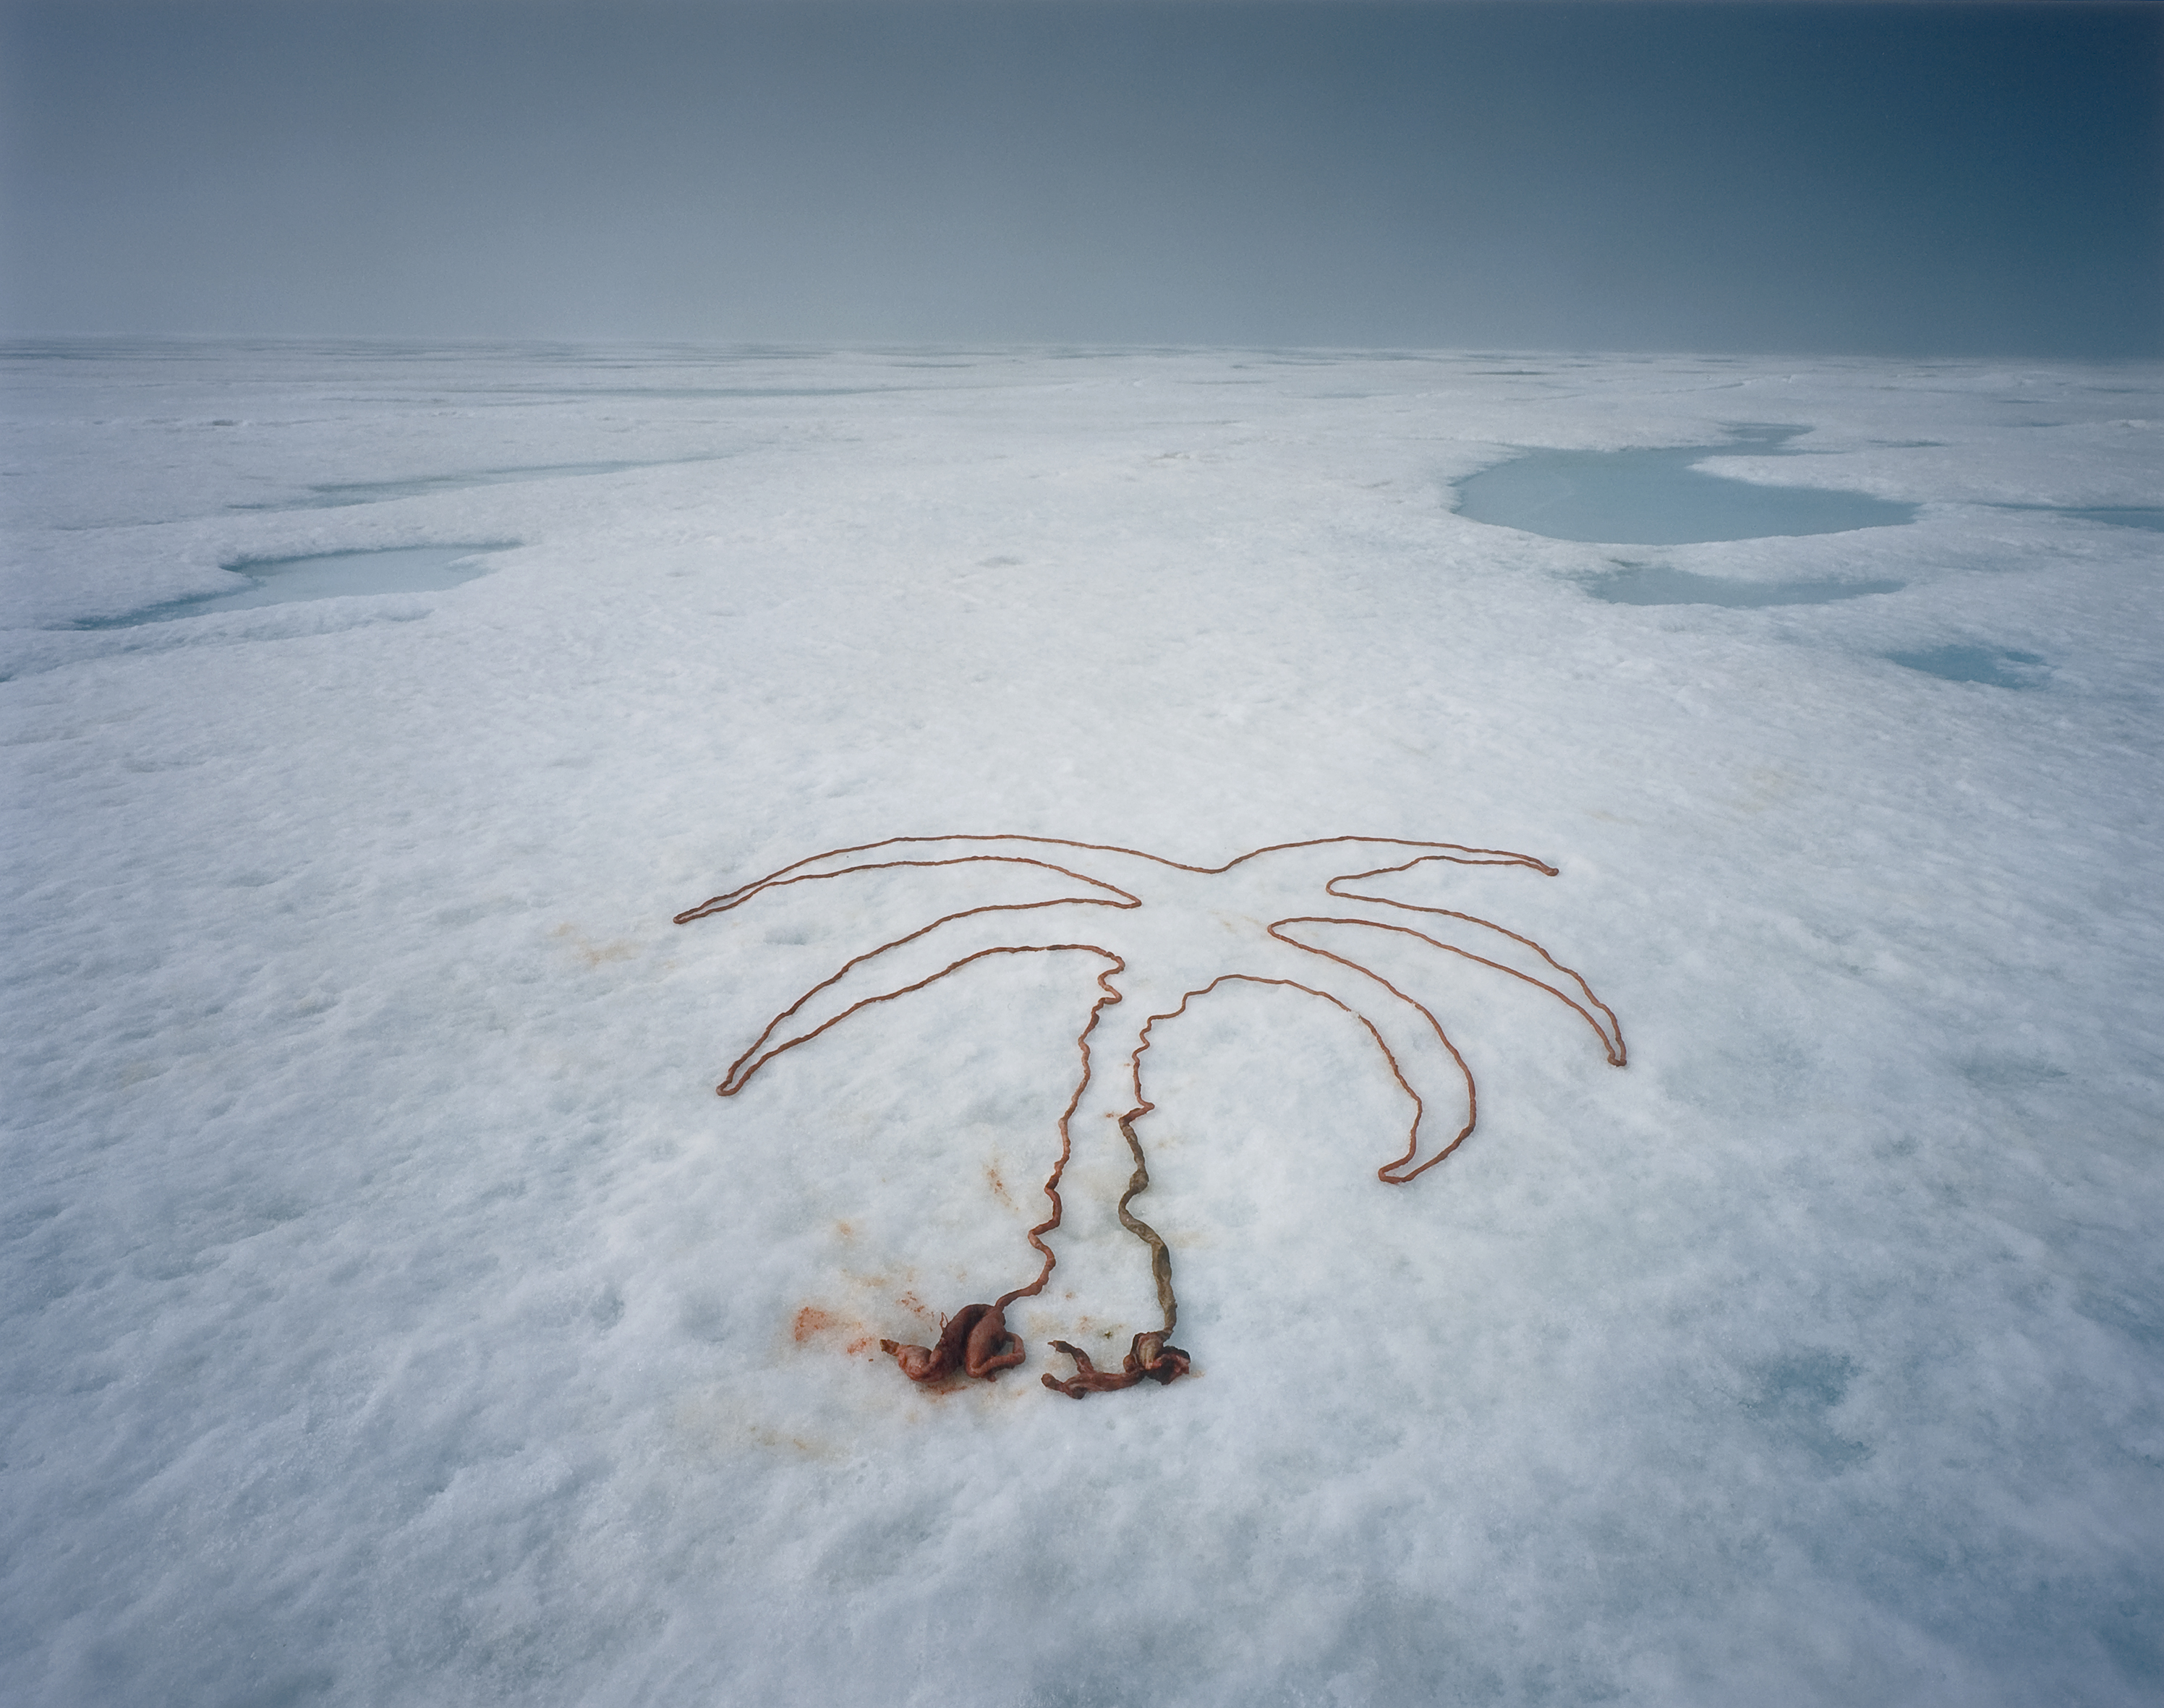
x=1814, y=178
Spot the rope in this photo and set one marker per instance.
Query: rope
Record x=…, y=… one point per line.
x=1160, y=1257
x=975, y=1340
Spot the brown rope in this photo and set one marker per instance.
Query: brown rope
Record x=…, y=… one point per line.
x=1384, y=1173
x=989, y=1322
x=1066, y=1139
x=745, y=893
x=1618, y=1056
x=1160, y=1255
x=975, y=1340
x=739, y=1075
x=1148, y=1359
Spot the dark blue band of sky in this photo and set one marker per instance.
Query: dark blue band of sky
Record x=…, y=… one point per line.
x=1933, y=179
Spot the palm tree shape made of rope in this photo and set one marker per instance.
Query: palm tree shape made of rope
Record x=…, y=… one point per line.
x=1210, y=925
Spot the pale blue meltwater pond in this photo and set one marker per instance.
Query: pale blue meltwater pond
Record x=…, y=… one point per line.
x=1662, y=498
x=326, y=575
x=1666, y=497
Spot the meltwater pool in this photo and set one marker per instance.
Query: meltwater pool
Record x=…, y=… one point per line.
x=1660, y=498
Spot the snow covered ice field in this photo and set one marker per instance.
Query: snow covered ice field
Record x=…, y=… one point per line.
x=393, y=1313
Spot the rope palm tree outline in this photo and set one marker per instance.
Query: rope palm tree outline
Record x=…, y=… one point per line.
x=1195, y=909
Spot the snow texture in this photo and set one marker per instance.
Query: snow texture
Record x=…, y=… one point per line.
x=393, y=1312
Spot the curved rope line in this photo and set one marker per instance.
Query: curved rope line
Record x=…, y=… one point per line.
x=1067, y=1115
x=738, y=898
x=1387, y=1173
x=726, y=1089
x=1160, y=1253
x=1618, y=1052
x=744, y=893
x=1066, y=1141
x=739, y=1075
x=1504, y=857
x=1613, y=1048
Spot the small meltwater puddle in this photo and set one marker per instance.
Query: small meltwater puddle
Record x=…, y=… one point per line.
x=1994, y=666
x=338, y=495
x=1652, y=583
x=326, y=575
x=2124, y=517
x=1657, y=498
x=2119, y=515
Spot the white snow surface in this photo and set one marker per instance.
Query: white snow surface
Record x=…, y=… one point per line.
x=391, y=1313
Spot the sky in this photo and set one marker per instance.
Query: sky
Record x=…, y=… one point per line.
x=1820, y=178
